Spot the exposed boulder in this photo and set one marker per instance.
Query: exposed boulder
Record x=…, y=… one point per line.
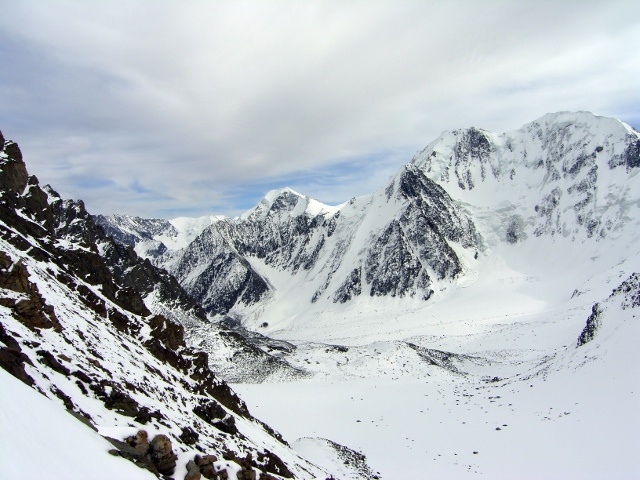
x=129, y=452
x=205, y=465
x=193, y=472
x=162, y=454
x=140, y=441
x=156, y=455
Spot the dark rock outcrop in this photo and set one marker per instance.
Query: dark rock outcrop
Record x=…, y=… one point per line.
x=12, y=359
x=626, y=295
x=629, y=291
x=29, y=306
x=213, y=413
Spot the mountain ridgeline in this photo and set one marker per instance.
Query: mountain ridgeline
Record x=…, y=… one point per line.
x=565, y=174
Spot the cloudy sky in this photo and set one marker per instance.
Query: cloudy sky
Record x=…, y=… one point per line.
x=170, y=108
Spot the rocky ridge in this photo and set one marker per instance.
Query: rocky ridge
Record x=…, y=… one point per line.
x=396, y=242
x=75, y=327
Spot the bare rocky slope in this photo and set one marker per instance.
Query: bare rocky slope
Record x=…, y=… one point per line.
x=74, y=326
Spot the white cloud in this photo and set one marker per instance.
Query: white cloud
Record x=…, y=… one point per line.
x=181, y=105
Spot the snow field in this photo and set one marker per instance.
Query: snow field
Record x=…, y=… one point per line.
x=567, y=422
x=40, y=440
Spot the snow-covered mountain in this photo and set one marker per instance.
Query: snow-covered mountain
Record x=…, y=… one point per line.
x=568, y=174
x=153, y=237
x=403, y=241
x=428, y=232
x=522, y=366
x=98, y=332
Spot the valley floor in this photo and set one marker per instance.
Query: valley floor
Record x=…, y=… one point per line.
x=566, y=421
x=490, y=384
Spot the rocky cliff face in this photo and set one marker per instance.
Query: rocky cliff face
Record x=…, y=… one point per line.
x=625, y=297
x=75, y=326
x=416, y=246
x=132, y=231
x=152, y=289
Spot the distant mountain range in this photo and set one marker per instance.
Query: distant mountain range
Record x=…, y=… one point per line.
x=565, y=175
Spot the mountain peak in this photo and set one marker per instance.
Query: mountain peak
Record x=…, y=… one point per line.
x=284, y=191
x=580, y=120
x=286, y=201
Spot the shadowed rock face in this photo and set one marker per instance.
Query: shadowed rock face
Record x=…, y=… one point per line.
x=30, y=307
x=12, y=359
x=14, y=176
x=416, y=246
x=627, y=295
x=591, y=328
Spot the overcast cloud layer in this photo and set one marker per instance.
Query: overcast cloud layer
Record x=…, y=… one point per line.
x=163, y=109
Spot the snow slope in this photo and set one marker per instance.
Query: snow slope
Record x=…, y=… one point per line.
x=521, y=409
x=57, y=445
